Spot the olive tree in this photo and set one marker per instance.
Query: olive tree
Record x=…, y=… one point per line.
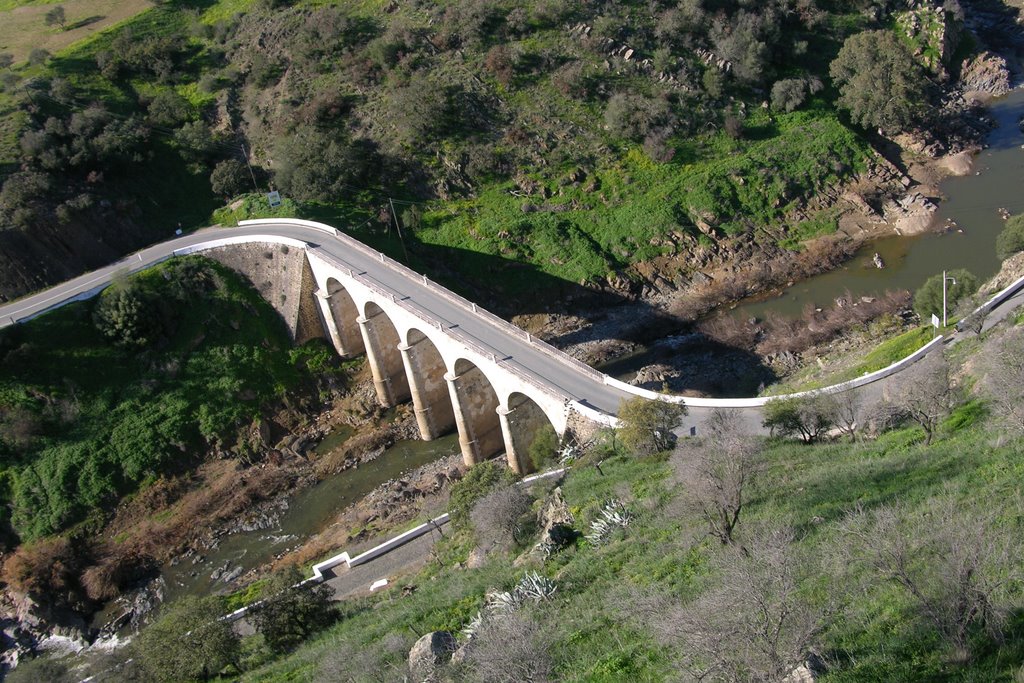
x=645, y=426
x=811, y=416
x=928, y=299
x=291, y=611
x=879, y=82
x=188, y=642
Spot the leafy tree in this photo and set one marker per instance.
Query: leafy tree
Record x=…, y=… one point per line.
x=544, y=447
x=879, y=82
x=290, y=613
x=928, y=299
x=477, y=482
x=320, y=165
x=229, y=178
x=746, y=40
x=645, y=426
x=56, y=17
x=128, y=314
x=188, y=642
x=788, y=94
x=169, y=109
x=195, y=141
x=42, y=669
x=1011, y=239
x=634, y=116
x=809, y=416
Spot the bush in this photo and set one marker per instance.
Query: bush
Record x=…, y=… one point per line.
x=479, y=480
x=544, y=447
x=1011, y=239
x=928, y=299
x=789, y=94
x=645, y=426
x=289, y=613
x=128, y=314
x=189, y=641
x=229, y=178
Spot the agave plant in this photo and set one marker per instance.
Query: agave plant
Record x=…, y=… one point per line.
x=531, y=588
x=614, y=515
x=470, y=629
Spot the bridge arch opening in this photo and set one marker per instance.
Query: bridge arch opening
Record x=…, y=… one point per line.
x=425, y=370
x=381, y=341
x=344, y=315
x=523, y=420
x=475, y=405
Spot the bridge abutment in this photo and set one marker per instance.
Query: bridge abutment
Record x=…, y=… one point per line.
x=431, y=399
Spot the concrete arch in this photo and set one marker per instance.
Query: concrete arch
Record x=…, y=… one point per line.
x=426, y=370
x=475, y=405
x=343, y=326
x=521, y=419
x=381, y=342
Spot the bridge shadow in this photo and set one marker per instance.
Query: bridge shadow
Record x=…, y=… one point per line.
x=668, y=350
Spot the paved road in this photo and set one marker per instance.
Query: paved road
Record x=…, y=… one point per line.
x=540, y=365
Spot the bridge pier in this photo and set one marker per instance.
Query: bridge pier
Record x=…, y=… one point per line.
x=431, y=399
x=476, y=417
x=520, y=422
x=380, y=340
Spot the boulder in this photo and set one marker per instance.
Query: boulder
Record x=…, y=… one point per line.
x=429, y=653
x=986, y=72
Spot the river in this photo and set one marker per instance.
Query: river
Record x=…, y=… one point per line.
x=971, y=203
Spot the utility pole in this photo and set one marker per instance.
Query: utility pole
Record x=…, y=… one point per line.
x=945, y=279
x=398, y=227
x=245, y=155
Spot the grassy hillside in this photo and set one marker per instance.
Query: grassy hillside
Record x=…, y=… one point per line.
x=521, y=131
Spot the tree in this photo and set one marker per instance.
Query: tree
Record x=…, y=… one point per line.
x=195, y=142
x=1003, y=383
x=788, y=94
x=879, y=82
x=716, y=472
x=6, y=60
x=925, y=393
x=928, y=299
x=645, y=426
x=1011, y=239
x=38, y=56
x=229, y=178
x=544, y=447
x=169, y=109
x=188, y=642
x=319, y=165
x=849, y=410
x=128, y=314
x=42, y=669
x=754, y=625
x=56, y=17
x=809, y=416
x=497, y=516
x=956, y=563
x=290, y=613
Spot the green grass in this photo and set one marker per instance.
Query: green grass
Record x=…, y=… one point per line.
x=107, y=417
x=875, y=636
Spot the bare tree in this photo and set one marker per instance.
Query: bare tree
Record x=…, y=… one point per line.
x=1004, y=379
x=716, y=471
x=926, y=394
x=955, y=564
x=496, y=517
x=754, y=625
x=848, y=408
x=508, y=648
x=382, y=662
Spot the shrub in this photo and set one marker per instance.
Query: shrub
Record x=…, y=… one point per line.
x=229, y=178
x=290, y=613
x=477, y=482
x=1011, y=239
x=128, y=314
x=544, y=447
x=789, y=94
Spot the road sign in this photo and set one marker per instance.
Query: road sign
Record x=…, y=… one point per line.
x=935, y=321
x=274, y=198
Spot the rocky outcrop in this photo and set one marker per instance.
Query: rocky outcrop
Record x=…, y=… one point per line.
x=986, y=72
x=911, y=214
x=429, y=653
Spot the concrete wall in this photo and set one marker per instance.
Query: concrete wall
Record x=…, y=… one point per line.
x=282, y=276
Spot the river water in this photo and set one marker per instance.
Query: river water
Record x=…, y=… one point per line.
x=972, y=203
x=307, y=512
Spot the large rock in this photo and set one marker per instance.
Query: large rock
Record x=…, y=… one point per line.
x=429, y=653
x=556, y=524
x=986, y=72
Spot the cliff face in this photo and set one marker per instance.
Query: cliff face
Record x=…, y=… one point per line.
x=53, y=252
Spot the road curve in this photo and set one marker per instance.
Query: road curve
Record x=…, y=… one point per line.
x=540, y=362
